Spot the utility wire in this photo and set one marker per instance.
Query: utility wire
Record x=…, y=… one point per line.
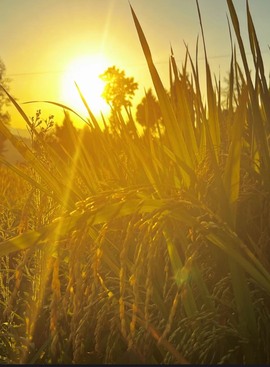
x=131, y=65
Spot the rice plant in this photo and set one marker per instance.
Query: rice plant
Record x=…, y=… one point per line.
x=146, y=249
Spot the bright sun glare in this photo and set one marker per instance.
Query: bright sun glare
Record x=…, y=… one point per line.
x=85, y=71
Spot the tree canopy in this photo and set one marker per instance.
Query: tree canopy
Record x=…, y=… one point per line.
x=148, y=111
x=119, y=89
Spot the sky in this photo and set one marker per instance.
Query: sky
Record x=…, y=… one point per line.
x=42, y=40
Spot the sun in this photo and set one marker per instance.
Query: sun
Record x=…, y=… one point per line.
x=85, y=71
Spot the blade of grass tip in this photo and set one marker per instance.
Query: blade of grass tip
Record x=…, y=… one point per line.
x=197, y=56
x=175, y=136
x=258, y=61
x=19, y=109
x=210, y=91
x=182, y=109
x=218, y=89
x=212, y=110
x=195, y=72
x=184, y=68
x=184, y=75
x=258, y=87
x=199, y=110
x=256, y=46
x=170, y=75
x=219, y=93
x=210, y=143
x=104, y=122
x=91, y=115
x=174, y=66
x=231, y=73
x=258, y=123
x=236, y=26
x=202, y=31
x=62, y=106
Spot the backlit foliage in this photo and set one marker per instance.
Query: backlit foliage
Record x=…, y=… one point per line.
x=119, y=89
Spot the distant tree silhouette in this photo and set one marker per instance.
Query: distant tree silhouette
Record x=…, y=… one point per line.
x=64, y=135
x=119, y=89
x=148, y=112
x=4, y=116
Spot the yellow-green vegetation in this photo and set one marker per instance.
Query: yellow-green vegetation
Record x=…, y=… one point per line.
x=145, y=249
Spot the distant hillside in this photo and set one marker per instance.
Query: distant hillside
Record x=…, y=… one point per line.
x=21, y=133
x=10, y=153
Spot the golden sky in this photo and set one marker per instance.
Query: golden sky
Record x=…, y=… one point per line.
x=47, y=43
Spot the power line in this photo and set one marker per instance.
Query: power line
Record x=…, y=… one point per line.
x=35, y=73
x=130, y=65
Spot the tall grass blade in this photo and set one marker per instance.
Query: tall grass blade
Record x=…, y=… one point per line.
x=232, y=168
x=175, y=136
x=256, y=115
x=65, y=107
x=211, y=98
x=91, y=115
x=258, y=62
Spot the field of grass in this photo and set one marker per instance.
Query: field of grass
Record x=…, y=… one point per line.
x=133, y=248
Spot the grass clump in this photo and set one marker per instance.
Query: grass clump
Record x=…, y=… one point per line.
x=146, y=249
